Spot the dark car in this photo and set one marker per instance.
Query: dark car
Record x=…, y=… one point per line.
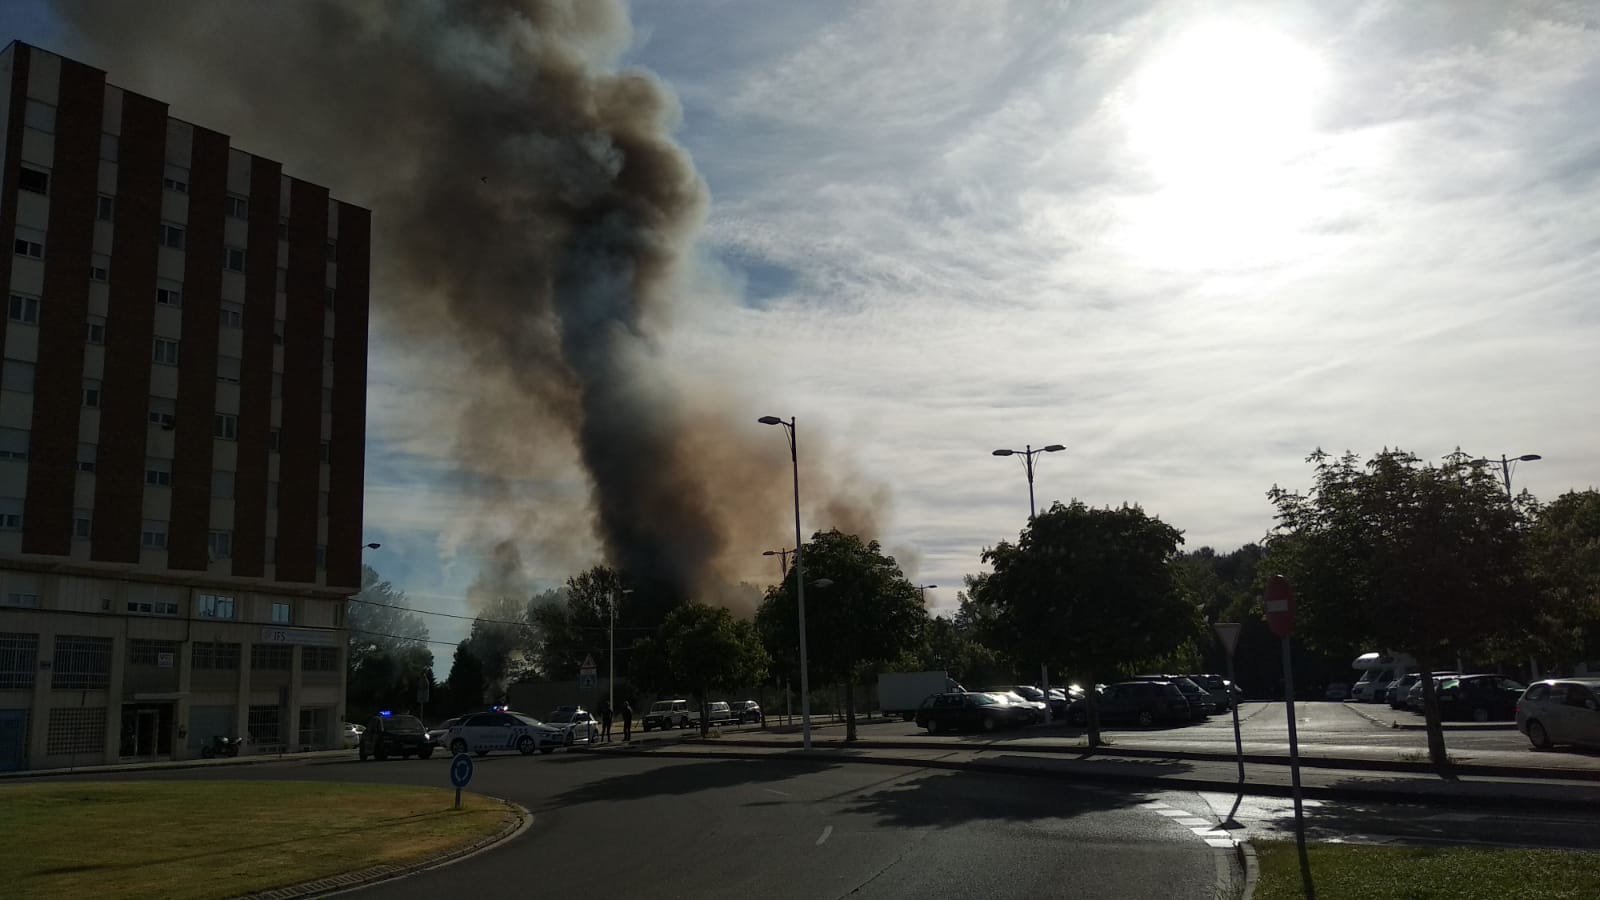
x=746, y=711
x=391, y=735
x=969, y=711
x=1200, y=704
x=1481, y=698
x=1144, y=702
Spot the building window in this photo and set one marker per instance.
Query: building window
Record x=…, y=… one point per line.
x=263, y=725
x=228, y=368
x=176, y=180
x=87, y=454
x=333, y=251
x=171, y=236
x=220, y=657
x=225, y=426
x=24, y=309
x=82, y=525
x=153, y=534
x=19, y=660
x=81, y=663
x=280, y=612
x=236, y=206
x=328, y=295
x=152, y=608
x=277, y=384
x=222, y=483
x=158, y=472
x=10, y=513
x=319, y=659
x=22, y=600
x=232, y=315
x=91, y=394
x=76, y=729
x=105, y=208
x=166, y=352
x=34, y=180
x=271, y=657
x=143, y=652
x=216, y=606
x=14, y=444
x=40, y=116
x=322, y=556
x=99, y=273
x=272, y=439
x=169, y=296
x=219, y=544
x=233, y=259
x=30, y=249
x=94, y=330
x=16, y=375
x=281, y=285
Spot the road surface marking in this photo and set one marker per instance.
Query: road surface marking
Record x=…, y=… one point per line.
x=1220, y=843
x=1192, y=821
x=1171, y=813
x=826, y=830
x=779, y=793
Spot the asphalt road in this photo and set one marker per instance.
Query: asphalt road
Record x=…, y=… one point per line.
x=630, y=826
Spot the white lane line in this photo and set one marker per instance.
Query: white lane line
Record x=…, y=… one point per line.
x=1192, y=821
x=1220, y=843
x=779, y=793
x=1172, y=813
x=826, y=830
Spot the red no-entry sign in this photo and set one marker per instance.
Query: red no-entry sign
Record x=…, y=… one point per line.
x=1279, y=604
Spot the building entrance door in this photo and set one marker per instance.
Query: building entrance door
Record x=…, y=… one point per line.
x=146, y=730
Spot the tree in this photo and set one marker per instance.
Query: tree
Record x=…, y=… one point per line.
x=466, y=684
x=501, y=641
x=703, y=649
x=1564, y=563
x=387, y=648
x=1421, y=559
x=1092, y=591
x=867, y=615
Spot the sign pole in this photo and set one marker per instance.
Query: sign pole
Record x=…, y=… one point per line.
x=1229, y=632
x=1279, y=604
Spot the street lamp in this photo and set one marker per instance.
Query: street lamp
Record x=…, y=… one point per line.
x=611, y=657
x=1506, y=465
x=782, y=553
x=372, y=546
x=799, y=577
x=923, y=590
x=1027, y=464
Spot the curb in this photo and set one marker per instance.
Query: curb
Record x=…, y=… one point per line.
x=364, y=878
x=118, y=768
x=1313, y=762
x=1340, y=794
x=1252, y=867
x=1397, y=726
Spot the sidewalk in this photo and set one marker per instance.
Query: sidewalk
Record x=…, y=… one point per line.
x=108, y=769
x=1111, y=766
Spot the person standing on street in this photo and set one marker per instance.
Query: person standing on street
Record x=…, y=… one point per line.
x=627, y=720
x=605, y=719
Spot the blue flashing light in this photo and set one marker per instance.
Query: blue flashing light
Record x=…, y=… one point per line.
x=385, y=713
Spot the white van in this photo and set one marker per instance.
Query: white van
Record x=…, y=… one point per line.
x=1378, y=671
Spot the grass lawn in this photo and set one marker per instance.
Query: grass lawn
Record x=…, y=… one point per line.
x=220, y=839
x=1358, y=872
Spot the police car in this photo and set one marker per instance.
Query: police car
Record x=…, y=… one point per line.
x=502, y=729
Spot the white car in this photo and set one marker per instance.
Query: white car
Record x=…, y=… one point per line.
x=1561, y=711
x=352, y=734
x=483, y=733
x=578, y=722
x=440, y=734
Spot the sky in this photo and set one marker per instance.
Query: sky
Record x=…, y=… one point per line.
x=1192, y=242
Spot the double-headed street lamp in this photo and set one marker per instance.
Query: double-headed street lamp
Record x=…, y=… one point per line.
x=782, y=553
x=1506, y=466
x=799, y=578
x=1028, y=455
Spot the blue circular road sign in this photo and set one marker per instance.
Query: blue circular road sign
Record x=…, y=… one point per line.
x=461, y=770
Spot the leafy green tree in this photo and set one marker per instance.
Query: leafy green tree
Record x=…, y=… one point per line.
x=387, y=648
x=1564, y=562
x=1091, y=591
x=466, y=685
x=867, y=615
x=704, y=649
x=1422, y=559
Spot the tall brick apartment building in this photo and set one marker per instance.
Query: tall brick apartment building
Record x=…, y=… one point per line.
x=182, y=422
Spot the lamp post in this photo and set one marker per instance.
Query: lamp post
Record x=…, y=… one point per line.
x=372, y=546
x=799, y=577
x=923, y=589
x=1028, y=455
x=782, y=553
x=1505, y=466
x=611, y=655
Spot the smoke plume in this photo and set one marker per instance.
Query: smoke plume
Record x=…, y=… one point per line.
x=532, y=215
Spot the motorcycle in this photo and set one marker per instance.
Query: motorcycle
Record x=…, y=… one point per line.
x=221, y=746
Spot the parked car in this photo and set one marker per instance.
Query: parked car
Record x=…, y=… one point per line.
x=969, y=710
x=1028, y=698
x=1144, y=702
x=577, y=722
x=1414, y=695
x=1200, y=704
x=483, y=733
x=1480, y=698
x=389, y=735
x=747, y=711
x=1561, y=711
x=718, y=712
x=1216, y=687
x=1396, y=695
x=440, y=736
x=666, y=714
x=1337, y=691
x=352, y=734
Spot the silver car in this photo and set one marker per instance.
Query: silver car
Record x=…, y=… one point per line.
x=1561, y=711
x=577, y=722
